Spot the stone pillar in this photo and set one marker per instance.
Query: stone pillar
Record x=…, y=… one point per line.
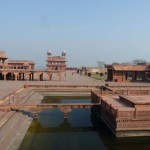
x=50, y=76
x=113, y=75
x=143, y=76
x=39, y=76
x=20, y=76
x=27, y=76
x=123, y=76
x=59, y=74
x=4, y=74
x=16, y=76
x=65, y=111
x=133, y=76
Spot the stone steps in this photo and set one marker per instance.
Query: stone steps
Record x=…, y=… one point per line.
x=27, y=97
x=6, y=128
x=23, y=95
x=5, y=118
x=18, y=138
x=8, y=139
x=16, y=98
x=14, y=125
x=34, y=96
x=2, y=114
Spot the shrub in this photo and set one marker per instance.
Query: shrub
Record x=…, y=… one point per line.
x=89, y=74
x=101, y=74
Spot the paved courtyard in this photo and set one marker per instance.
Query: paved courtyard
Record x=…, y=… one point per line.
x=70, y=78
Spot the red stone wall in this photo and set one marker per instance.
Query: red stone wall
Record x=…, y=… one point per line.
x=123, y=120
x=56, y=63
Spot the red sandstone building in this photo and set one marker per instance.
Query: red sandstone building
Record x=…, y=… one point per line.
x=2, y=59
x=120, y=72
x=24, y=69
x=21, y=64
x=56, y=62
x=15, y=64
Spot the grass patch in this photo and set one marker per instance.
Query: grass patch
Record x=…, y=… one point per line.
x=98, y=77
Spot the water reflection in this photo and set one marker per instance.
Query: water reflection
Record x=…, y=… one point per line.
x=112, y=143
x=82, y=130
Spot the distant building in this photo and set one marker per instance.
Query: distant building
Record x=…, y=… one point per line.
x=15, y=64
x=24, y=69
x=3, y=58
x=56, y=62
x=71, y=68
x=21, y=64
x=121, y=72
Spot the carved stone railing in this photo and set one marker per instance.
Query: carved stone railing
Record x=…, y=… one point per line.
x=36, y=108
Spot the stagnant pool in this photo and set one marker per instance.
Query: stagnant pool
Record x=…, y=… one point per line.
x=80, y=131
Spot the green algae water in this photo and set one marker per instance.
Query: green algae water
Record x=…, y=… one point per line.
x=80, y=131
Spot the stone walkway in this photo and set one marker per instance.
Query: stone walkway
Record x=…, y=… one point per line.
x=8, y=87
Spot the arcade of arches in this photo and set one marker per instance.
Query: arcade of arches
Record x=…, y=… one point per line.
x=24, y=69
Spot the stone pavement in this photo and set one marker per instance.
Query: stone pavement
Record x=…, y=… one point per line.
x=7, y=87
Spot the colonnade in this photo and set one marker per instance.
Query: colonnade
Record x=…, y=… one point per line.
x=120, y=76
x=28, y=75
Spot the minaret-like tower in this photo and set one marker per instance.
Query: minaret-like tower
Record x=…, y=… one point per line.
x=64, y=53
x=49, y=53
x=2, y=58
x=56, y=62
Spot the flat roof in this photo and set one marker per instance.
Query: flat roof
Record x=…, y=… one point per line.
x=117, y=103
x=122, y=67
x=137, y=100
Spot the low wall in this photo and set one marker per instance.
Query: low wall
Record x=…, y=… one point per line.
x=123, y=121
x=60, y=86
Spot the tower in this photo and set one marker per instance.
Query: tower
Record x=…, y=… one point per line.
x=2, y=58
x=49, y=53
x=64, y=53
x=56, y=62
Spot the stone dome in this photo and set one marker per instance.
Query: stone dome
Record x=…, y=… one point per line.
x=49, y=52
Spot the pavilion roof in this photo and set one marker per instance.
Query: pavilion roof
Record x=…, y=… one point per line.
x=2, y=55
x=21, y=61
x=122, y=67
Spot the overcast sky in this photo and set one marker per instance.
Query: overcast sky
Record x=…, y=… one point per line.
x=89, y=30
